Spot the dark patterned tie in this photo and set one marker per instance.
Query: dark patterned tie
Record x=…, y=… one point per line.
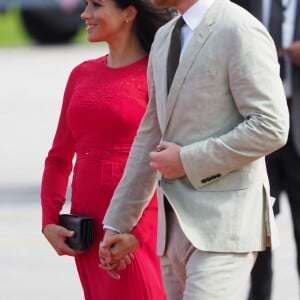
x=275, y=29
x=174, y=51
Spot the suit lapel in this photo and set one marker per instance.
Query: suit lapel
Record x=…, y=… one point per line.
x=201, y=35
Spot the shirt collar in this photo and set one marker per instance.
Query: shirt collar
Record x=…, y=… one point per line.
x=194, y=15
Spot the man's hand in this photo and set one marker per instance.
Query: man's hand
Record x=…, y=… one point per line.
x=167, y=160
x=115, y=252
x=123, y=244
x=56, y=236
x=293, y=51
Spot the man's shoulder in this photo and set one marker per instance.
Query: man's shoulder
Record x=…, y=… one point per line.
x=236, y=17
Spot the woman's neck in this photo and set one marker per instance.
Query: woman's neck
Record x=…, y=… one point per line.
x=123, y=54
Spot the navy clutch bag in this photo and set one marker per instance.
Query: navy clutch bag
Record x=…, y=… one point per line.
x=83, y=228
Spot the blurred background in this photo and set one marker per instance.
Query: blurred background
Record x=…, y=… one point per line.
x=40, y=43
x=40, y=21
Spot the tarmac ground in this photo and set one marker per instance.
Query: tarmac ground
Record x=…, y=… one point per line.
x=32, y=80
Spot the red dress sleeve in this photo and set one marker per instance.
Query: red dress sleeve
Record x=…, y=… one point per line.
x=58, y=163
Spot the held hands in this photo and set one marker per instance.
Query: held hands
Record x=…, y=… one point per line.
x=116, y=252
x=167, y=160
x=56, y=236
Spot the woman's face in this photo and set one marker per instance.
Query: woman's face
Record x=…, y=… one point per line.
x=104, y=20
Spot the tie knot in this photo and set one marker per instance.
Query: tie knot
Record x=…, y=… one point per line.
x=179, y=23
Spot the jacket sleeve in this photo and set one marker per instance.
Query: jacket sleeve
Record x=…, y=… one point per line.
x=258, y=95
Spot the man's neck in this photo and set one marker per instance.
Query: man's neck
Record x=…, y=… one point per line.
x=183, y=6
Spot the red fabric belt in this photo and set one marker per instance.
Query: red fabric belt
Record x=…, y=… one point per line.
x=106, y=152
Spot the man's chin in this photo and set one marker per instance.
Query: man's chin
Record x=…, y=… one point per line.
x=163, y=3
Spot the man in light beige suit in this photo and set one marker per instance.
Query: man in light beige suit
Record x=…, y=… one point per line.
x=204, y=142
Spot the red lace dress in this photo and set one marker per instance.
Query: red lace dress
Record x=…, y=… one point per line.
x=101, y=111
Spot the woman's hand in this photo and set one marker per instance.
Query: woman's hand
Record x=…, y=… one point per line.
x=56, y=236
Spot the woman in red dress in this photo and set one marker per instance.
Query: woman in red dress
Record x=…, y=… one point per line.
x=104, y=101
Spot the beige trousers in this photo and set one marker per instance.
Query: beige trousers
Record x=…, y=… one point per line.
x=192, y=274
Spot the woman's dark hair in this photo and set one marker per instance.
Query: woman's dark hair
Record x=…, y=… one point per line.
x=149, y=19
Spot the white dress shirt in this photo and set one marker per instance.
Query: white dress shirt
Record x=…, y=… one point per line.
x=193, y=17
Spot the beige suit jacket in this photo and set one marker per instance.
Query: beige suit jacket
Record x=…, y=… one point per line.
x=227, y=109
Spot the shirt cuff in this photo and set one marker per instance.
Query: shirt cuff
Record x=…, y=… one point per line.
x=111, y=228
